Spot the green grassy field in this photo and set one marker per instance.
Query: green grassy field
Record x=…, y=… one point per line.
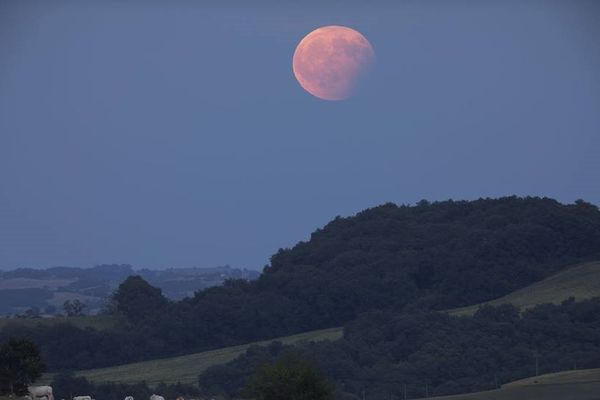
x=580, y=281
x=569, y=385
x=100, y=322
x=186, y=369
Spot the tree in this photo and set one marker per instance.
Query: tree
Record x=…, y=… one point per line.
x=20, y=365
x=138, y=301
x=290, y=378
x=73, y=308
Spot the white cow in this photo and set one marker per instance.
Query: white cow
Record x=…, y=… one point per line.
x=82, y=398
x=38, y=392
x=129, y=398
x=156, y=397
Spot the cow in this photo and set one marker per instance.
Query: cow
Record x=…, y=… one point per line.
x=39, y=392
x=129, y=398
x=156, y=397
x=82, y=398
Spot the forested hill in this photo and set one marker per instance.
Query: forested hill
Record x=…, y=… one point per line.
x=446, y=253
x=432, y=255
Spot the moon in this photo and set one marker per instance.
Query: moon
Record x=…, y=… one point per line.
x=330, y=61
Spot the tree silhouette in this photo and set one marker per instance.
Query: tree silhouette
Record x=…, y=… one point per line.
x=20, y=365
x=290, y=378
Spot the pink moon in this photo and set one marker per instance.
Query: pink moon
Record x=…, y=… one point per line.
x=330, y=61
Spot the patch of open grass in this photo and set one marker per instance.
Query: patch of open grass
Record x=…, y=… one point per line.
x=569, y=385
x=580, y=281
x=186, y=368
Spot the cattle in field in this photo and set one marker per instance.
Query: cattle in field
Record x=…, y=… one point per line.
x=40, y=392
x=129, y=398
x=156, y=397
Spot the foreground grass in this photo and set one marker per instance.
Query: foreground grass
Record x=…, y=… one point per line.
x=99, y=322
x=186, y=369
x=580, y=281
x=569, y=385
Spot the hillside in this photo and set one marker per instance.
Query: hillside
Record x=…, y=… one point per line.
x=186, y=369
x=581, y=281
x=386, y=353
x=570, y=385
x=428, y=256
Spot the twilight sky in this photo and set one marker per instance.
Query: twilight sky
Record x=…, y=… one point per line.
x=174, y=133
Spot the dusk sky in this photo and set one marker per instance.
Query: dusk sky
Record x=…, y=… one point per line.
x=166, y=134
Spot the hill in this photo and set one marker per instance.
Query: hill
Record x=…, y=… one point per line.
x=431, y=256
x=44, y=291
x=186, y=369
x=581, y=281
x=386, y=353
x=569, y=385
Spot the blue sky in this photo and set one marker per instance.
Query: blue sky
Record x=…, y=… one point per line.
x=174, y=133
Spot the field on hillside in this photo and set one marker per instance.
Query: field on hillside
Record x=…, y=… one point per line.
x=186, y=369
x=569, y=385
x=99, y=322
x=580, y=281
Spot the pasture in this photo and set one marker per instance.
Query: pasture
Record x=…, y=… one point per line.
x=568, y=385
x=581, y=281
x=186, y=368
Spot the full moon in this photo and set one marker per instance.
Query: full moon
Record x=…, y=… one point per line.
x=330, y=61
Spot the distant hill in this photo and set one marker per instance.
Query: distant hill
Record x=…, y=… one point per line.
x=581, y=281
x=45, y=290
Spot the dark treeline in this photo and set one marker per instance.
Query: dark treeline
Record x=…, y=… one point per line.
x=67, y=385
x=429, y=256
x=384, y=354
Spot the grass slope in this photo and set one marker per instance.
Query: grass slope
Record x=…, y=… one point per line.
x=186, y=368
x=581, y=281
x=569, y=385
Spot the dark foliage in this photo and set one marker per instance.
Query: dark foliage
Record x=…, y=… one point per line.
x=428, y=256
x=291, y=377
x=66, y=385
x=430, y=352
x=20, y=365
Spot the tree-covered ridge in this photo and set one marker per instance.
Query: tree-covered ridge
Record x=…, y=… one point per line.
x=428, y=256
x=432, y=353
x=495, y=246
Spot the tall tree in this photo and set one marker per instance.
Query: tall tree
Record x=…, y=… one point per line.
x=290, y=378
x=20, y=365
